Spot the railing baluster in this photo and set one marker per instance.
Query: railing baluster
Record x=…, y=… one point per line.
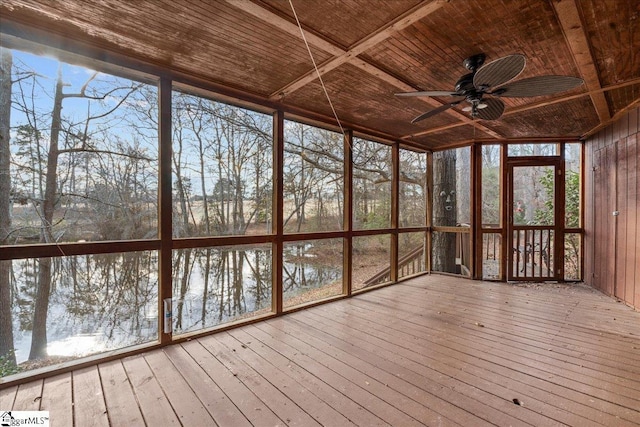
x=518, y=253
x=527, y=254
x=495, y=246
x=540, y=234
x=549, y=250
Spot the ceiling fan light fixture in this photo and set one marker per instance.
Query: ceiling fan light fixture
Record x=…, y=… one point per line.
x=482, y=105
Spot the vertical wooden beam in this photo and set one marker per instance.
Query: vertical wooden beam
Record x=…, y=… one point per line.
x=395, y=210
x=624, y=286
x=429, y=211
x=505, y=213
x=278, y=210
x=561, y=210
x=476, y=211
x=347, y=276
x=165, y=215
x=588, y=210
x=582, y=207
x=614, y=165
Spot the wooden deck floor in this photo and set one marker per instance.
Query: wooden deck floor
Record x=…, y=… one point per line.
x=430, y=351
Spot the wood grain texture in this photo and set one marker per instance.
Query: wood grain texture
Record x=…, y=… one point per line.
x=432, y=350
x=118, y=394
x=57, y=399
x=28, y=397
x=89, y=406
x=7, y=397
x=154, y=405
x=253, y=50
x=612, y=248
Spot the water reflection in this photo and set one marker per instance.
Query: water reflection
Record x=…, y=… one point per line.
x=312, y=270
x=97, y=303
x=105, y=302
x=212, y=286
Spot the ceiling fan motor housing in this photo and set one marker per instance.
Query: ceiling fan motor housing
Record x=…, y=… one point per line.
x=465, y=83
x=474, y=62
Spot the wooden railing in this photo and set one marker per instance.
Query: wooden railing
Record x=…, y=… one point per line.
x=411, y=263
x=532, y=253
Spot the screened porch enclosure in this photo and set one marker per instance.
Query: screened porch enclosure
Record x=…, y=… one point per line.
x=142, y=198
x=176, y=171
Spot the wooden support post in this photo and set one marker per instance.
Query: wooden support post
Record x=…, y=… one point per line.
x=347, y=276
x=395, y=210
x=278, y=210
x=165, y=215
x=476, y=212
x=560, y=214
x=505, y=213
x=428, y=249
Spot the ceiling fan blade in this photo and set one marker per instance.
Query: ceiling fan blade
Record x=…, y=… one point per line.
x=537, y=86
x=435, y=111
x=429, y=93
x=499, y=71
x=493, y=110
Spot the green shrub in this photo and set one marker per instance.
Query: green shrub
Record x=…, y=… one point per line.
x=8, y=365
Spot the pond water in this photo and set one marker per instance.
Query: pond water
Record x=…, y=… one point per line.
x=105, y=302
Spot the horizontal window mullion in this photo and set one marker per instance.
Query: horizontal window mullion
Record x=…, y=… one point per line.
x=204, y=242
x=314, y=236
x=452, y=229
x=69, y=249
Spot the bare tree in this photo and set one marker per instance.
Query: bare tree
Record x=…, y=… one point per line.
x=313, y=173
x=6, y=318
x=371, y=184
x=65, y=137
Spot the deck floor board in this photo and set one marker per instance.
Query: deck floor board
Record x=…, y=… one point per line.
x=251, y=405
x=28, y=397
x=7, y=397
x=540, y=343
x=118, y=394
x=57, y=397
x=432, y=350
x=478, y=361
x=154, y=405
x=89, y=408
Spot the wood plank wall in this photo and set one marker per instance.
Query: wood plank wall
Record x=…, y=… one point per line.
x=612, y=183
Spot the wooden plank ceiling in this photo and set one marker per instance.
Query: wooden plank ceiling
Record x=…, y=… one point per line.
x=366, y=51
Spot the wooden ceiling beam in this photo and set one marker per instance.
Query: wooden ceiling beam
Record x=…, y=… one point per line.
x=613, y=119
x=591, y=93
x=342, y=56
x=378, y=36
x=282, y=24
x=535, y=105
x=573, y=28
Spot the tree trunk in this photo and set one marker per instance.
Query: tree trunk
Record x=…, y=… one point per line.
x=6, y=321
x=205, y=199
x=41, y=309
x=184, y=286
x=238, y=205
x=205, y=291
x=444, y=210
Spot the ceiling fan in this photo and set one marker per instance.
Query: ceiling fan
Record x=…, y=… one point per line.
x=491, y=79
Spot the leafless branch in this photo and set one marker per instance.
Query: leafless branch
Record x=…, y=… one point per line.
x=94, y=151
